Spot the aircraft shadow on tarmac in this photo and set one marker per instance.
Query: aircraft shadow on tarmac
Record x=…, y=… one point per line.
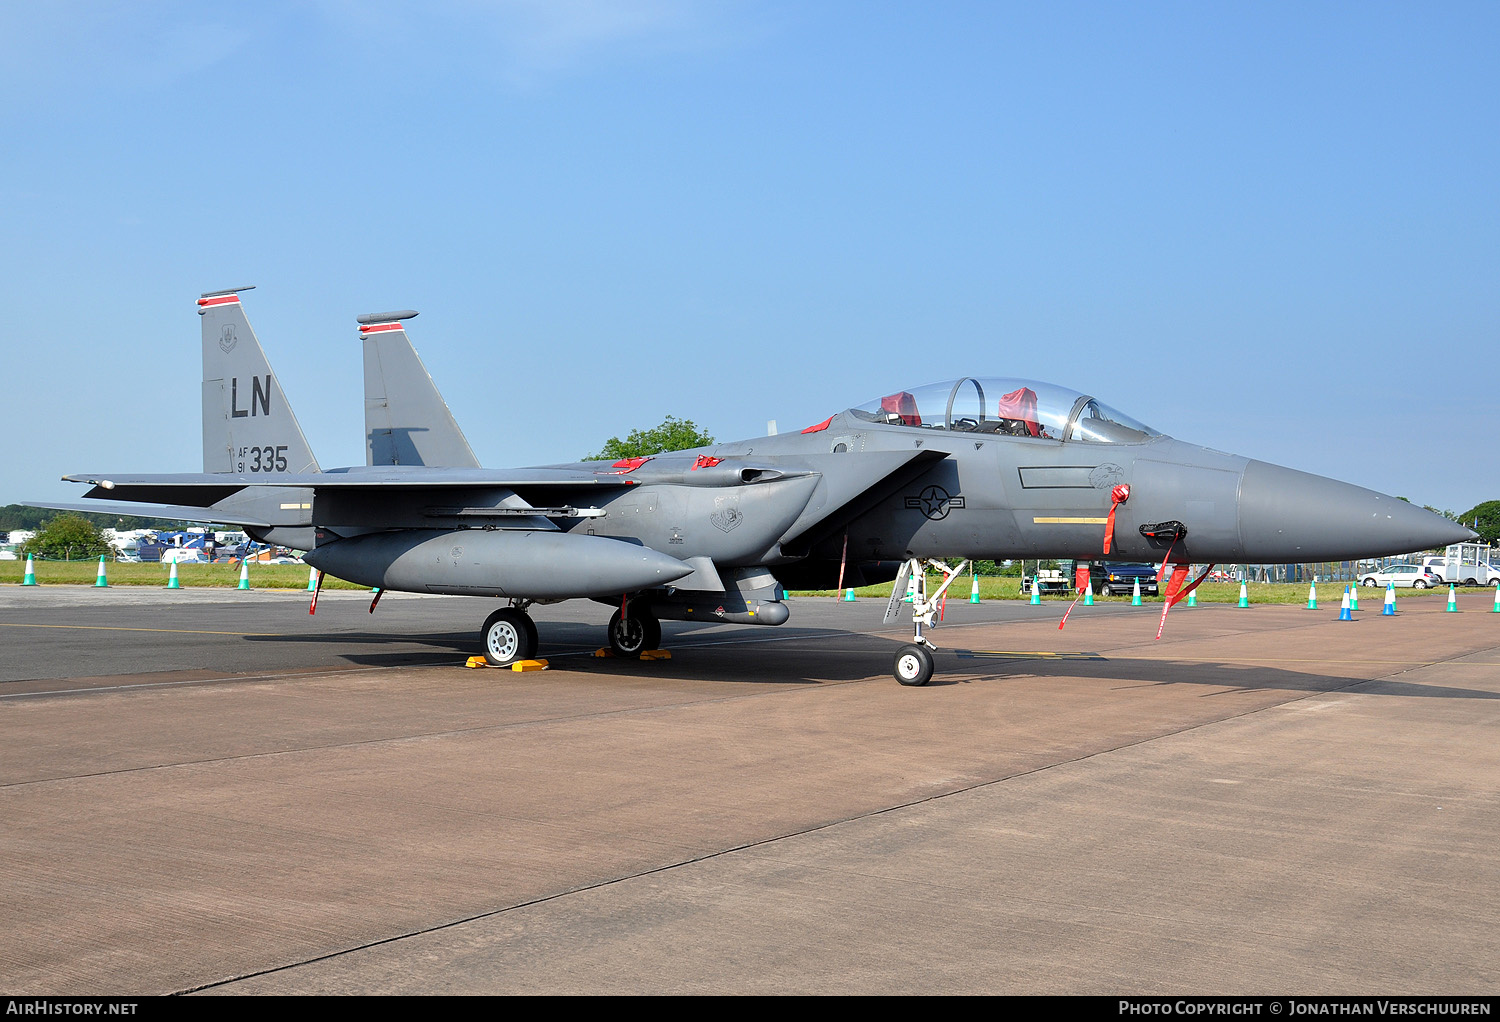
x=1228, y=676
x=859, y=656
x=572, y=643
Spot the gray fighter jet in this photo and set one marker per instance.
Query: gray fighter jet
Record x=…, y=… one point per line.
x=919, y=479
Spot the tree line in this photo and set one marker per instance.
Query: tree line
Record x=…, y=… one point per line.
x=19, y=516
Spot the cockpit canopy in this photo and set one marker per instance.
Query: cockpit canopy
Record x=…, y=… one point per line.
x=1007, y=407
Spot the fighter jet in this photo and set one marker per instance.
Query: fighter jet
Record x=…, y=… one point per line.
x=921, y=478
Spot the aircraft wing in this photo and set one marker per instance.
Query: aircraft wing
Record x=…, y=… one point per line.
x=173, y=512
x=204, y=488
x=392, y=496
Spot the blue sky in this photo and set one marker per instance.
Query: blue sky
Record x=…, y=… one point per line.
x=1273, y=229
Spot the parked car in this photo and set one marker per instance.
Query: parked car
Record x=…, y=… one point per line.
x=182, y=555
x=1405, y=576
x=1119, y=577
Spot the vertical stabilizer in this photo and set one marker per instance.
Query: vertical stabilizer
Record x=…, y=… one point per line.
x=407, y=422
x=247, y=424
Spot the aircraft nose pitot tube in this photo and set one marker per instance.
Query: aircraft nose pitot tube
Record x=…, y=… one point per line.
x=473, y=562
x=1292, y=516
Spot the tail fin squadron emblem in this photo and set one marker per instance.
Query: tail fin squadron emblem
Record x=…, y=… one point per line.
x=227, y=339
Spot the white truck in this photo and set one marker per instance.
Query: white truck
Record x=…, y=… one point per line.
x=1466, y=564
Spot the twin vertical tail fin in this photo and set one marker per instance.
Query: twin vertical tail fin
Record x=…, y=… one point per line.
x=248, y=427
x=407, y=422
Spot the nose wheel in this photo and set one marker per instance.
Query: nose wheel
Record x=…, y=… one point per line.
x=914, y=663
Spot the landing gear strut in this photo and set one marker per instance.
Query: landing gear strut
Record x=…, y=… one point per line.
x=633, y=630
x=509, y=635
x=914, y=662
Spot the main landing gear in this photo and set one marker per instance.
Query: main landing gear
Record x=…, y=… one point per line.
x=914, y=662
x=633, y=630
x=509, y=635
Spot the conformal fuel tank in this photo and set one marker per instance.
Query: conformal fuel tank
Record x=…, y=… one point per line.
x=473, y=562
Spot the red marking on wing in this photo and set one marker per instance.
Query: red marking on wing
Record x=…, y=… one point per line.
x=625, y=465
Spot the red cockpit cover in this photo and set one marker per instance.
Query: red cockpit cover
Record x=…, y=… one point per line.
x=904, y=405
x=1021, y=405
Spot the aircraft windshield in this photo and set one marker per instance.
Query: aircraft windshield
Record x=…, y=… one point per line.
x=1007, y=407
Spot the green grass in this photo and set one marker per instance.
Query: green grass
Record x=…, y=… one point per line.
x=1001, y=588
x=190, y=576
x=294, y=576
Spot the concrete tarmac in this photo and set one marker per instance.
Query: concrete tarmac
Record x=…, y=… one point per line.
x=219, y=794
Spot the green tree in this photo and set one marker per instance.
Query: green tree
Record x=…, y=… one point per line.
x=989, y=568
x=67, y=537
x=673, y=434
x=1484, y=519
x=18, y=516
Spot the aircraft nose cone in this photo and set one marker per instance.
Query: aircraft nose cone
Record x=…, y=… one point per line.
x=1292, y=516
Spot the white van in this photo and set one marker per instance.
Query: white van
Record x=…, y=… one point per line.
x=1465, y=564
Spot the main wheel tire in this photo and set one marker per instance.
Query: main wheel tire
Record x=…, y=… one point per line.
x=631, y=636
x=1471, y=581
x=1419, y=584
x=1368, y=583
x=913, y=665
x=508, y=636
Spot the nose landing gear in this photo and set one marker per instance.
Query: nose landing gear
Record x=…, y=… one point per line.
x=914, y=662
